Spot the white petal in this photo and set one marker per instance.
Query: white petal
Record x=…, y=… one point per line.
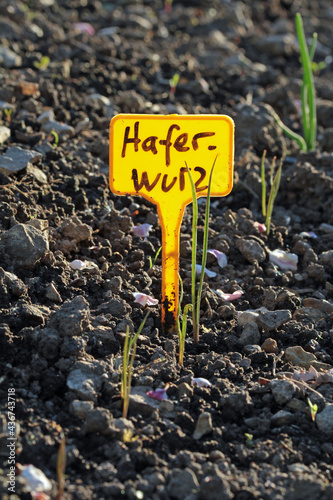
x=284, y=260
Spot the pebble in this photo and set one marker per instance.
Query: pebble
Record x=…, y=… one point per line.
x=16, y=159
x=280, y=44
x=9, y=58
x=46, y=116
x=4, y=134
x=298, y=357
x=24, y=245
x=324, y=420
x=72, y=318
x=13, y=283
x=326, y=258
x=60, y=128
x=215, y=487
x=250, y=334
x=184, y=389
x=271, y=320
x=204, y=425
x=251, y=250
x=322, y=305
x=81, y=408
x=52, y=293
x=282, y=390
x=269, y=345
x=141, y=403
x=326, y=228
x=85, y=381
x=182, y=483
x=98, y=420
x=282, y=417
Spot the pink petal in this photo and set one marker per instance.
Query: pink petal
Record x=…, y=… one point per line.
x=84, y=28
x=229, y=296
x=221, y=257
x=159, y=394
x=142, y=230
x=201, y=382
x=261, y=227
x=144, y=300
x=284, y=260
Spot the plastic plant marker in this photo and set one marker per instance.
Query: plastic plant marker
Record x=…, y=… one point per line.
x=147, y=158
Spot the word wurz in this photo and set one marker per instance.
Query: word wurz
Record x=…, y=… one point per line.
x=165, y=185
x=151, y=142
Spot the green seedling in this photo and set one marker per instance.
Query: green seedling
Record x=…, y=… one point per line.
x=308, y=93
x=61, y=465
x=8, y=113
x=267, y=210
x=313, y=409
x=56, y=139
x=152, y=262
x=127, y=364
x=43, y=63
x=196, y=298
x=174, y=82
x=167, y=6
x=249, y=440
x=182, y=329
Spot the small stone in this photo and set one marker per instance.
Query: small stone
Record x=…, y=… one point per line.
x=60, y=128
x=184, y=389
x=9, y=58
x=97, y=99
x=52, y=293
x=204, y=425
x=167, y=406
x=298, y=357
x=72, y=318
x=81, y=408
x=271, y=320
x=182, y=483
x=16, y=159
x=283, y=390
x=322, y=305
x=245, y=317
x=85, y=381
x=98, y=420
x=269, y=345
x=324, y=420
x=24, y=245
x=236, y=404
x=280, y=44
x=14, y=284
x=4, y=134
x=215, y=487
x=46, y=116
x=250, y=334
x=251, y=349
x=282, y=417
x=141, y=403
x=326, y=258
x=326, y=228
x=251, y=250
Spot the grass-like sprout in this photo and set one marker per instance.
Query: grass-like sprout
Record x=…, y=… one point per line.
x=152, y=262
x=313, y=409
x=196, y=298
x=267, y=211
x=8, y=113
x=308, y=93
x=182, y=329
x=127, y=365
x=61, y=465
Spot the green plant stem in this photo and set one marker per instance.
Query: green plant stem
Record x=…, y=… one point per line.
x=194, y=256
x=290, y=133
x=205, y=248
x=263, y=183
x=272, y=196
x=309, y=83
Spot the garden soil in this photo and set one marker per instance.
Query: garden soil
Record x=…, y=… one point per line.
x=245, y=432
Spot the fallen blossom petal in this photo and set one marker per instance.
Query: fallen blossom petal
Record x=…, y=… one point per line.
x=145, y=300
x=159, y=394
x=78, y=265
x=229, y=296
x=210, y=274
x=34, y=479
x=307, y=376
x=284, y=260
x=309, y=234
x=142, y=230
x=201, y=382
x=84, y=28
x=221, y=257
x=261, y=227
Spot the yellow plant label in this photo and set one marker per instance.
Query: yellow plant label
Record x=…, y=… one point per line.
x=148, y=156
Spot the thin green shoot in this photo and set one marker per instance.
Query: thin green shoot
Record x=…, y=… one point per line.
x=174, y=82
x=129, y=352
x=313, y=409
x=267, y=210
x=153, y=262
x=61, y=466
x=308, y=94
x=8, y=113
x=263, y=184
x=56, y=139
x=182, y=329
x=249, y=440
x=196, y=299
